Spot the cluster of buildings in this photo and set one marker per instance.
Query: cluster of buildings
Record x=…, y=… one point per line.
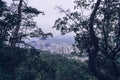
x=57, y=48
x=60, y=48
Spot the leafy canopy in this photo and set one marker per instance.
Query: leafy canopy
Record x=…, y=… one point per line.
x=97, y=28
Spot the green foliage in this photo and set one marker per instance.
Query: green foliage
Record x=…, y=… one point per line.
x=7, y=22
x=2, y=7
x=27, y=25
x=31, y=10
x=106, y=29
x=39, y=33
x=2, y=10
x=24, y=64
x=9, y=30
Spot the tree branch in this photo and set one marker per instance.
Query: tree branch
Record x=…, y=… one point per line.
x=95, y=44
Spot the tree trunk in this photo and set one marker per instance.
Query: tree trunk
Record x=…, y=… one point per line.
x=95, y=48
x=16, y=30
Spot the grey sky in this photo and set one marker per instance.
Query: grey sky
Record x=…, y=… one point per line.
x=51, y=13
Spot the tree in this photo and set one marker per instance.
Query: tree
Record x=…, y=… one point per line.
x=2, y=10
x=25, y=64
x=97, y=34
x=7, y=21
x=17, y=22
x=26, y=26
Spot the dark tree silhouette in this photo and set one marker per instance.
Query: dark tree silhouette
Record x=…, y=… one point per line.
x=97, y=35
x=25, y=22
x=17, y=22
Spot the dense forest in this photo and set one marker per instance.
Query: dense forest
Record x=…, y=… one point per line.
x=97, y=36
x=24, y=64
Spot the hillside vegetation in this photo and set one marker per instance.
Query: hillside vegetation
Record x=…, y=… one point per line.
x=29, y=64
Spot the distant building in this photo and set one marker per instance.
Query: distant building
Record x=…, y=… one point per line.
x=58, y=48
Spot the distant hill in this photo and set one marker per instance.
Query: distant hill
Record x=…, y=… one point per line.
x=61, y=39
x=57, y=40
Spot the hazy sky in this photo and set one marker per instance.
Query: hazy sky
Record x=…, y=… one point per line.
x=51, y=13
